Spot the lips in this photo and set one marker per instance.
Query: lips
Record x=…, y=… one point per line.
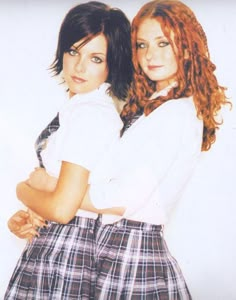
x=151, y=68
x=78, y=79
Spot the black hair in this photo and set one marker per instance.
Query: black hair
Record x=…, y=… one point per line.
x=87, y=20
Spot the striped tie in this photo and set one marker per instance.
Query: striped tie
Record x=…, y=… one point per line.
x=41, y=141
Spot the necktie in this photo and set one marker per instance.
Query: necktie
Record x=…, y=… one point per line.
x=41, y=141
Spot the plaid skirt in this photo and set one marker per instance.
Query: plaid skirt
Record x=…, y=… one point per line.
x=57, y=265
x=133, y=262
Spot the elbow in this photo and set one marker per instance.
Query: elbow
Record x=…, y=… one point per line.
x=61, y=216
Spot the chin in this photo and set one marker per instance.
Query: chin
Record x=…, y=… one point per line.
x=153, y=78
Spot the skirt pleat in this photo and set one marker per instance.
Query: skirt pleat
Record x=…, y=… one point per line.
x=133, y=262
x=59, y=264
x=87, y=260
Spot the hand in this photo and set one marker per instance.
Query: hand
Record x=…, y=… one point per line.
x=20, y=224
x=36, y=220
x=40, y=179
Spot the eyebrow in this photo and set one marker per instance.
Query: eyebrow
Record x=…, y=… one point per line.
x=98, y=53
x=93, y=53
x=156, y=38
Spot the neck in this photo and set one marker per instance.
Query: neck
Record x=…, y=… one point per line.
x=161, y=85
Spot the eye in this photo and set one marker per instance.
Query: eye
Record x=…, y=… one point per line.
x=141, y=45
x=97, y=59
x=72, y=52
x=163, y=44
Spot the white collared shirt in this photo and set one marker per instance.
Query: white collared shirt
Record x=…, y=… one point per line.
x=148, y=168
x=89, y=123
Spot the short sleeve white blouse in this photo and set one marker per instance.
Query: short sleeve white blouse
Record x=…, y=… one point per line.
x=89, y=123
x=148, y=168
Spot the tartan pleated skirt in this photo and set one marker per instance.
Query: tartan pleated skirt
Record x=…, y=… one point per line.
x=134, y=263
x=57, y=265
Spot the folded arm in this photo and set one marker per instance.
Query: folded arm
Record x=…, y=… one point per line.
x=88, y=205
x=24, y=224
x=59, y=200
x=60, y=204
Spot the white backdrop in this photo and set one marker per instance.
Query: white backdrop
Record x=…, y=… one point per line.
x=202, y=233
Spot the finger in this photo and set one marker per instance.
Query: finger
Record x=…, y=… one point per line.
x=39, y=223
x=26, y=227
x=13, y=226
x=20, y=220
x=30, y=238
x=38, y=217
x=21, y=214
x=18, y=229
x=24, y=230
x=32, y=232
x=27, y=234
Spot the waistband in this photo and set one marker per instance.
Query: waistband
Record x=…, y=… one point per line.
x=79, y=221
x=130, y=224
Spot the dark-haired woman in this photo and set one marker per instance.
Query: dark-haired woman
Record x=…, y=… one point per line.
x=94, y=58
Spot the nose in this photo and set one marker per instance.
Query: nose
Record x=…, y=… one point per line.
x=149, y=53
x=80, y=65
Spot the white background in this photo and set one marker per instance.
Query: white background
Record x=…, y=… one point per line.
x=202, y=233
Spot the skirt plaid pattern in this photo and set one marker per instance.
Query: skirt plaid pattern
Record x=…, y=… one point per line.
x=133, y=262
x=58, y=265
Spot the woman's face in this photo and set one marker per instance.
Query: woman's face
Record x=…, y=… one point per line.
x=155, y=54
x=85, y=68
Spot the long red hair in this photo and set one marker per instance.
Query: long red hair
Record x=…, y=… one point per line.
x=195, y=75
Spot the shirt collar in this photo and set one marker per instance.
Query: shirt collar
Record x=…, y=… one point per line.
x=100, y=92
x=164, y=91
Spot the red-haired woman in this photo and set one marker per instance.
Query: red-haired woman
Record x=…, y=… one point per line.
x=169, y=120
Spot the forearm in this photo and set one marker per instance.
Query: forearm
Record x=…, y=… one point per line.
x=61, y=204
x=40, y=201
x=88, y=205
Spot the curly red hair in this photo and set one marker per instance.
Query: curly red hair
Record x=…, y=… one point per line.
x=195, y=75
